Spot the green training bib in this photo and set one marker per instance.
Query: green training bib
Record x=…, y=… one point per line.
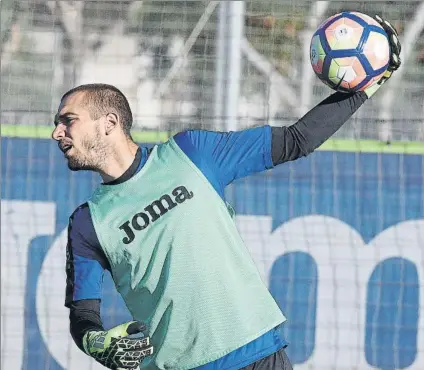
x=179, y=262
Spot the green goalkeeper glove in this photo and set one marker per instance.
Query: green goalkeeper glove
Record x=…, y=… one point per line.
x=394, y=62
x=112, y=349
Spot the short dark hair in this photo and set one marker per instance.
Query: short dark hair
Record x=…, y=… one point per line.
x=101, y=99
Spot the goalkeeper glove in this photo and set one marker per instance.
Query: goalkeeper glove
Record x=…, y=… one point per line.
x=112, y=349
x=394, y=62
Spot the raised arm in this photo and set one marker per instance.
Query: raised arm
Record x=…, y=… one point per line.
x=226, y=156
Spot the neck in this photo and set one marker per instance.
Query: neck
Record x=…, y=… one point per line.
x=120, y=159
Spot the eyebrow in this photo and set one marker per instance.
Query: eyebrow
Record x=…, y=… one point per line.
x=60, y=117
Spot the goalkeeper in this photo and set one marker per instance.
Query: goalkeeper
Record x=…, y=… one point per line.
x=160, y=224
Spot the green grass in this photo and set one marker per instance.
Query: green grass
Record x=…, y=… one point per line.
x=151, y=137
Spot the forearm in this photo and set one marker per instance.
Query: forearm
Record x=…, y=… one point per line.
x=315, y=127
x=84, y=316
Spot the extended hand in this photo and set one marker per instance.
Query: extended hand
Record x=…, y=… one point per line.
x=394, y=62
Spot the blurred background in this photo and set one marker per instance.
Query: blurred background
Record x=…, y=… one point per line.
x=198, y=63
x=338, y=236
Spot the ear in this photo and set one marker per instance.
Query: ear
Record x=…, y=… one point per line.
x=112, y=122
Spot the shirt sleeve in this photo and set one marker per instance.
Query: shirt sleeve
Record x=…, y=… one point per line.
x=228, y=155
x=85, y=260
x=315, y=127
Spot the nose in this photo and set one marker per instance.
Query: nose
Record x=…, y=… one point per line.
x=58, y=132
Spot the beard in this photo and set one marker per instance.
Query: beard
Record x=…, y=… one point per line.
x=90, y=157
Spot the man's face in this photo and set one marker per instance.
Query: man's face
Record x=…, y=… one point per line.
x=79, y=136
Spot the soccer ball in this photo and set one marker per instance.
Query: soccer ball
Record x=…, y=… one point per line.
x=350, y=51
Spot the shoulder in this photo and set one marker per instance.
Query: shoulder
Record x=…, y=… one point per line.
x=80, y=215
x=202, y=139
x=197, y=138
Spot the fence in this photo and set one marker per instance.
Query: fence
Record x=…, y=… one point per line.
x=166, y=58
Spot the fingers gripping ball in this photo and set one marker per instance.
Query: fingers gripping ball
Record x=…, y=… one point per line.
x=395, y=61
x=114, y=348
